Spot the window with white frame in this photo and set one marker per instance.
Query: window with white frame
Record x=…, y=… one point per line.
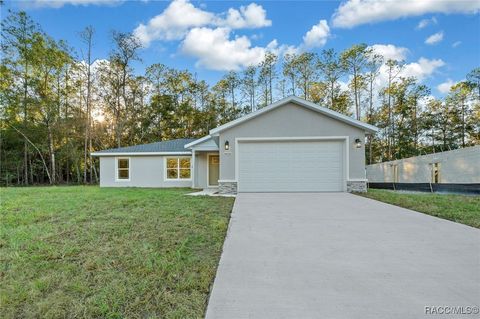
x=178, y=168
x=123, y=168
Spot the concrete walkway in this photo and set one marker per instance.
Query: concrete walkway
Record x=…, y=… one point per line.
x=209, y=192
x=337, y=255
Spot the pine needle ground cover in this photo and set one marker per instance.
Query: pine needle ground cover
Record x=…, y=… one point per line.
x=84, y=252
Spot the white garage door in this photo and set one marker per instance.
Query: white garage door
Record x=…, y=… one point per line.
x=290, y=166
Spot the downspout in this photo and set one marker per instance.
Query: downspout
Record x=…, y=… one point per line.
x=192, y=172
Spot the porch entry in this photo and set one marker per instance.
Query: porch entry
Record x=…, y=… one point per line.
x=213, y=169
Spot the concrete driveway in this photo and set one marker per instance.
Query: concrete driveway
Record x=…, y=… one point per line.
x=337, y=255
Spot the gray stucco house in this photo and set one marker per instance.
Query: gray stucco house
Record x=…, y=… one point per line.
x=289, y=146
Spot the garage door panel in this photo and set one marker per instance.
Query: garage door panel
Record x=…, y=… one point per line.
x=290, y=166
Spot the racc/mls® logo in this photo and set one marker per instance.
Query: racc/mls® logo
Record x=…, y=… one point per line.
x=451, y=310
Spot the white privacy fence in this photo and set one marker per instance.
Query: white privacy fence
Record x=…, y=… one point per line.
x=456, y=166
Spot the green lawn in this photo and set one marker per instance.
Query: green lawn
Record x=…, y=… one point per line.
x=84, y=252
x=457, y=208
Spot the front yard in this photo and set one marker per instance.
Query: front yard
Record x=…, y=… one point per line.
x=457, y=208
x=84, y=252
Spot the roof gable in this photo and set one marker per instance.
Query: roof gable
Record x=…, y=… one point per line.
x=301, y=102
x=205, y=143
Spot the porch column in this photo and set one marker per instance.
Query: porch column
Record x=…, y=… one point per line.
x=192, y=170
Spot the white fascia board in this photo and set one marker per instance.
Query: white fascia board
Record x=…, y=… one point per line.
x=141, y=153
x=200, y=140
x=202, y=149
x=301, y=102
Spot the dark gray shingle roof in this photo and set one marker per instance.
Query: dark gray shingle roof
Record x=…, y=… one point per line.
x=165, y=146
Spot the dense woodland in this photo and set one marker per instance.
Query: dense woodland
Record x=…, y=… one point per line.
x=58, y=104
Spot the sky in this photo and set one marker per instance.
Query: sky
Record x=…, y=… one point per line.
x=439, y=40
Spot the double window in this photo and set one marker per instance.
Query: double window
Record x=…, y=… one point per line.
x=178, y=168
x=123, y=169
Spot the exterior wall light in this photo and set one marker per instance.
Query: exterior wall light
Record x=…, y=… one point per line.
x=358, y=143
x=227, y=145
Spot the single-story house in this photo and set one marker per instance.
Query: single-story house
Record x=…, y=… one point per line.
x=292, y=145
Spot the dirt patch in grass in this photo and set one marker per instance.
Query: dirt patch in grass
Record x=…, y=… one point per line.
x=84, y=252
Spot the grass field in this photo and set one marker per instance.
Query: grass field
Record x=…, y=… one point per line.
x=85, y=252
x=457, y=208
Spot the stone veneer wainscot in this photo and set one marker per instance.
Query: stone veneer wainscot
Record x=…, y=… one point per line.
x=227, y=187
x=357, y=186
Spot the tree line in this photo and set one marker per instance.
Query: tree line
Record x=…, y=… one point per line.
x=58, y=104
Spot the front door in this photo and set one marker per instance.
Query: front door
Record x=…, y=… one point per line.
x=213, y=170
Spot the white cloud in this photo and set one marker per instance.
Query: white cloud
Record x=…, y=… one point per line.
x=181, y=16
x=422, y=69
x=390, y=51
x=283, y=50
x=357, y=12
x=61, y=3
x=423, y=23
x=424, y=101
x=456, y=44
x=251, y=16
x=345, y=85
x=173, y=23
x=445, y=86
x=434, y=38
x=317, y=36
x=216, y=51
x=426, y=22
x=209, y=36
